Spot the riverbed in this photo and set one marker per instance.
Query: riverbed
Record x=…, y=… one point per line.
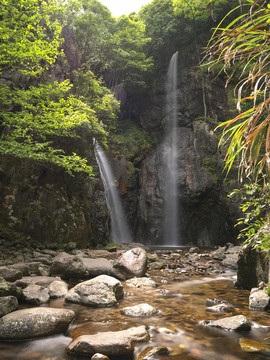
x=181, y=306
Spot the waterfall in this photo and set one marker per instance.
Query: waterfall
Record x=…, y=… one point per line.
x=119, y=228
x=171, y=210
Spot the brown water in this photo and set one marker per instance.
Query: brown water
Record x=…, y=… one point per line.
x=181, y=306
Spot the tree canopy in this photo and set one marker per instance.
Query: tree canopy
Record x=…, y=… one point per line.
x=35, y=110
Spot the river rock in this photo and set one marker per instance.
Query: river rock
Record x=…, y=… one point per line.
x=8, y=304
x=68, y=267
x=141, y=310
x=36, y=295
x=132, y=263
x=219, y=254
x=7, y=288
x=99, y=356
x=35, y=323
x=142, y=282
x=10, y=274
x=101, y=291
x=44, y=281
x=258, y=300
x=236, y=323
x=95, y=267
x=118, y=343
x=58, y=289
x=251, y=346
x=225, y=307
x=152, y=352
x=24, y=268
x=231, y=257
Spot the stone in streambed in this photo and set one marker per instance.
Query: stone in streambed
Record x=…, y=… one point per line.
x=142, y=282
x=152, y=352
x=232, y=323
x=99, y=356
x=141, y=310
x=259, y=300
x=118, y=343
x=58, y=289
x=36, y=295
x=101, y=291
x=10, y=274
x=251, y=346
x=34, y=323
x=9, y=289
x=8, y=304
x=133, y=263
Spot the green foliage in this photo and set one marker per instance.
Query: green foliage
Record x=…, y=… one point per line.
x=255, y=207
x=243, y=46
x=164, y=28
x=42, y=113
x=113, y=49
x=134, y=141
x=34, y=117
x=29, y=37
x=100, y=98
x=130, y=65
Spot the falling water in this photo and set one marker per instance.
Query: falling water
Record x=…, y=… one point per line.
x=171, y=211
x=119, y=228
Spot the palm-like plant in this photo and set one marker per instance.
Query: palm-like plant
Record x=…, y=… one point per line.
x=244, y=46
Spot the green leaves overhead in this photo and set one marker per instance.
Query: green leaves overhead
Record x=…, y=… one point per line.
x=29, y=36
x=36, y=114
x=244, y=47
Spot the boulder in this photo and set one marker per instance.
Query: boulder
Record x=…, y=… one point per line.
x=58, y=289
x=8, y=304
x=10, y=274
x=35, y=323
x=258, y=300
x=24, y=268
x=118, y=343
x=143, y=282
x=7, y=288
x=231, y=257
x=141, y=310
x=68, y=267
x=101, y=291
x=95, y=267
x=253, y=267
x=236, y=323
x=132, y=263
x=36, y=295
x=44, y=281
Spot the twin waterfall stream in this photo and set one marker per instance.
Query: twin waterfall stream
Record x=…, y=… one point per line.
x=120, y=232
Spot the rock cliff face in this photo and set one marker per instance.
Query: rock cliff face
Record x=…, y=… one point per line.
x=204, y=218
x=44, y=205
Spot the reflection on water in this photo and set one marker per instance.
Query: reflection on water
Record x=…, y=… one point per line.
x=181, y=305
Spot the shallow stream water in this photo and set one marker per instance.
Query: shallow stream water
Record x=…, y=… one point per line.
x=181, y=305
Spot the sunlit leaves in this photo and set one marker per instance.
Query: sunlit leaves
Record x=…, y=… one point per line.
x=28, y=35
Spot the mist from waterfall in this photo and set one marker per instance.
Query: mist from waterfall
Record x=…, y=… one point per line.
x=120, y=232
x=171, y=209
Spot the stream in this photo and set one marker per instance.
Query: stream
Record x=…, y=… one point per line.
x=181, y=305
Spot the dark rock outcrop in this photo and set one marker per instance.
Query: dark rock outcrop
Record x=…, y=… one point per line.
x=253, y=268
